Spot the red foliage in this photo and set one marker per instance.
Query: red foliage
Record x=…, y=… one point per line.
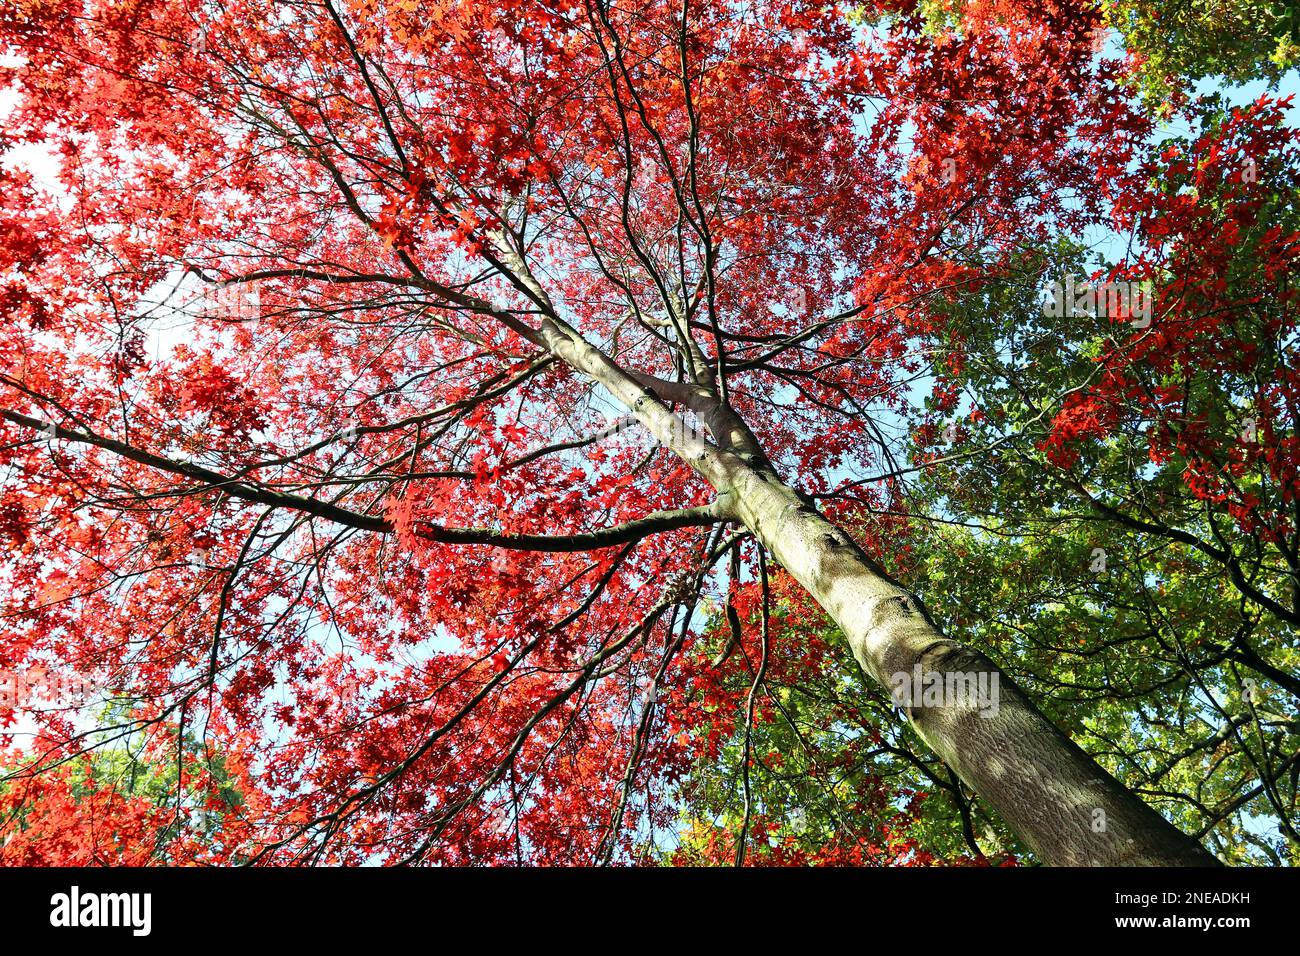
x=1222, y=269
x=358, y=164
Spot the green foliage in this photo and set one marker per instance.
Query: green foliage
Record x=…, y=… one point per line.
x=837, y=776
x=177, y=780
x=1182, y=41
x=1134, y=641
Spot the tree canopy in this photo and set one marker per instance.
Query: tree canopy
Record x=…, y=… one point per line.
x=542, y=431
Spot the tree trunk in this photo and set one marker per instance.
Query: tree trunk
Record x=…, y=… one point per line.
x=1068, y=809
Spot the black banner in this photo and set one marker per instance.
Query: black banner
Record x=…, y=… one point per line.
x=265, y=906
